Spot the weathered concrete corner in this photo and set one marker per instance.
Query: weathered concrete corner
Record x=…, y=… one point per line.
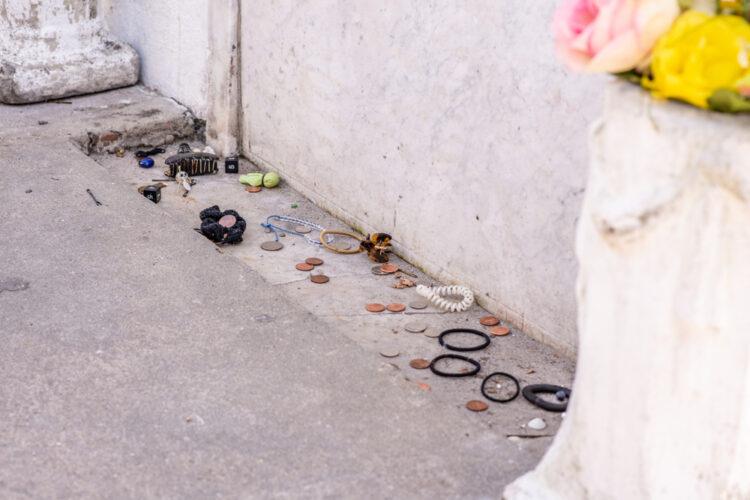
x=55, y=51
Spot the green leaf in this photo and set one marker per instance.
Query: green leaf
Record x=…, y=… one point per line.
x=632, y=76
x=728, y=101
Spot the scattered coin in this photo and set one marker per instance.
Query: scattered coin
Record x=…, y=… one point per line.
x=418, y=304
x=304, y=266
x=475, y=405
x=228, y=220
x=282, y=234
x=415, y=327
x=500, y=330
x=433, y=334
x=253, y=189
x=378, y=272
x=375, y=307
x=314, y=261
x=389, y=268
x=489, y=320
x=396, y=307
x=419, y=364
x=319, y=278
x=302, y=229
x=422, y=385
x=389, y=352
x=271, y=246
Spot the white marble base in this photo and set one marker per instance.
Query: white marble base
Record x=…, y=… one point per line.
x=661, y=402
x=59, y=48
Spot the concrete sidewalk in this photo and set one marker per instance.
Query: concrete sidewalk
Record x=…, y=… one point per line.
x=143, y=361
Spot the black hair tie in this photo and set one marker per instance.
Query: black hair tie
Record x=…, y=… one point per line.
x=507, y=375
x=214, y=231
x=459, y=374
x=530, y=393
x=464, y=330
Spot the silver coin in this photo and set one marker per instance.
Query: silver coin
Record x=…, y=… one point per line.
x=418, y=304
x=377, y=271
x=302, y=229
x=433, y=334
x=415, y=327
x=389, y=352
x=271, y=246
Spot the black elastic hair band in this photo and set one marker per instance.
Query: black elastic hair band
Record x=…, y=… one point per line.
x=458, y=374
x=464, y=330
x=530, y=393
x=507, y=375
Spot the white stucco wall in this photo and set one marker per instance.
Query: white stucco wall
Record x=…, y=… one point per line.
x=172, y=39
x=449, y=125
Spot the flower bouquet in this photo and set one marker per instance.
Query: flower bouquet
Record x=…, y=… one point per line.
x=696, y=51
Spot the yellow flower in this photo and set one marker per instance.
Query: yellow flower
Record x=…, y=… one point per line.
x=699, y=55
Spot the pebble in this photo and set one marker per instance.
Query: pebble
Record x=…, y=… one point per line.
x=209, y=150
x=536, y=424
x=560, y=395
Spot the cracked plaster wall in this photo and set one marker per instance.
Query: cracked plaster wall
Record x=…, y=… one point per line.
x=449, y=125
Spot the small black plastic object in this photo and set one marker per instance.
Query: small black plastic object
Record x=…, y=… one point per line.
x=458, y=374
x=464, y=330
x=153, y=193
x=155, y=151
x=184, y=148
x=530, y=393
x=232, y=165
x=502, y=374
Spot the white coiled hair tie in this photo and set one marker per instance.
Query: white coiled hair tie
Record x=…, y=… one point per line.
x=437, y=297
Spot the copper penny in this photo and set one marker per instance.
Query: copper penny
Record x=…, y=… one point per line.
x=475, y=405
x=319, y=278
x=228, y=220
x=302, y=229
x=489, y=321
x=375, y=307
x=271, y=246
x=314, y=261
x=500, y=331
x=253, y=189
x=304, y=266
x=395, y=307
x=389, y=268
x=419, y=364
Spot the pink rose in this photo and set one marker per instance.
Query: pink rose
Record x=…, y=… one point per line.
x=610, y=35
